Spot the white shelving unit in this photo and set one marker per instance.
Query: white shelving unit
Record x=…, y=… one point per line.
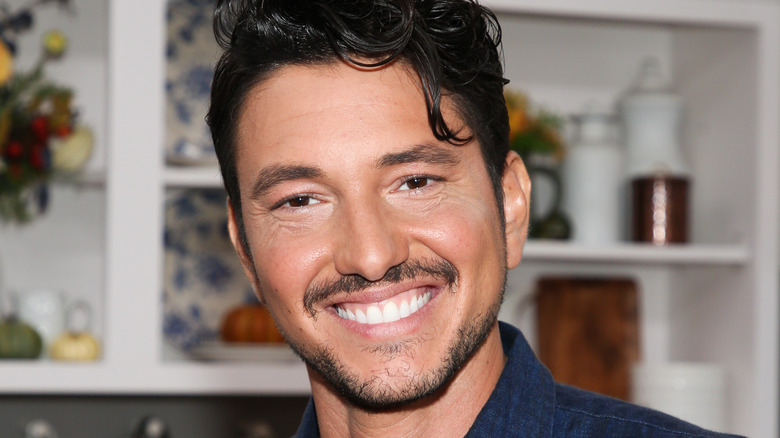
x=193, y=177
x=714, y=300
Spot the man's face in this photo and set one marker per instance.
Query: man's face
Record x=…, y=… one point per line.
x=378, y=249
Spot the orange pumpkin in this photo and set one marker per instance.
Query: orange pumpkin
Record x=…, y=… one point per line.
x=249, y=323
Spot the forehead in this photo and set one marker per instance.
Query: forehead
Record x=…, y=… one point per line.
x=335, y=106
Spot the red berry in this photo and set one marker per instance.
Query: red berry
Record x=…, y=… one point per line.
x=40, y=127
x=63, y=131
x=38, y=158
x=14, y=150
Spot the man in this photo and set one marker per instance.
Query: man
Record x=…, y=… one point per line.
x=376, y=208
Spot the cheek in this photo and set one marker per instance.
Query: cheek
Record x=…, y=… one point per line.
x=470, y=239
x=285, y=268
x=463, y=232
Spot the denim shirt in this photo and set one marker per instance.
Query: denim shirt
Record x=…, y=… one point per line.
x=527, y=402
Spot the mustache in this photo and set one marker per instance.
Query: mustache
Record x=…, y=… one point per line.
x=352, y=283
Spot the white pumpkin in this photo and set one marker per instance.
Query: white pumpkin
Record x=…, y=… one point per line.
x=73, y=346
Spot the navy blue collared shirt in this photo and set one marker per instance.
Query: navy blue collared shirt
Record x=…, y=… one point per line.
x=527, y=402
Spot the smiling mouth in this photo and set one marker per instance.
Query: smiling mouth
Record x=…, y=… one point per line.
x=390, y=310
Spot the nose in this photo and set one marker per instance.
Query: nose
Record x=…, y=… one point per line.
x=370, y=240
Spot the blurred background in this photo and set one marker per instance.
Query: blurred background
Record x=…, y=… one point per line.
x=649, y=130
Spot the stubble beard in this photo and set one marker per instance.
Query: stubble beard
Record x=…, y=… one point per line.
x=374, y=393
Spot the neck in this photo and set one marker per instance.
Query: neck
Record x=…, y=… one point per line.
x=451, y=412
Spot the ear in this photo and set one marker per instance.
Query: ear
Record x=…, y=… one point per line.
x=517, y=193
x=242, y=251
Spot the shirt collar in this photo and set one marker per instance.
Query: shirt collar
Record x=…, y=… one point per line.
x=523, y=401
x=309, y=428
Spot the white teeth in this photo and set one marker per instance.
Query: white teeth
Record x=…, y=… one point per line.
x=360, y=317
x=404, y=311
x=390, y=312
x=374, y=315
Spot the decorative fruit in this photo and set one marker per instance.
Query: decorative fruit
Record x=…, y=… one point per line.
x=6, y=63
x=76, y=344
x=19, y=340
x=75, y=347
x=40, y=128
x=71, y=152
x=14, y=150
x=54, y=43
x=249, y=323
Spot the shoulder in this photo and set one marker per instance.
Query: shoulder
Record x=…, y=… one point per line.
x=589, y=414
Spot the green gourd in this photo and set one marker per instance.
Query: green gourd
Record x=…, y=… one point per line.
x=19, y=340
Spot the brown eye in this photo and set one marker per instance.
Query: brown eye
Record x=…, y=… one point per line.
x=415, y=182
x=296, y=201
x=299, y=201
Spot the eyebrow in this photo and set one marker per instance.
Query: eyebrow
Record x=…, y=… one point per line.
x=272, y=176
x=424, y=153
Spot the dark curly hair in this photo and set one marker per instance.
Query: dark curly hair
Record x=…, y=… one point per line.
x=452, y=45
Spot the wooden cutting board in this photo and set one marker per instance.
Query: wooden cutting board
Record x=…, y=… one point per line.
x=588, y=332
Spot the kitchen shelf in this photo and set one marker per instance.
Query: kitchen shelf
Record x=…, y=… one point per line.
x=197, y=377
x=632, y=253
x=192, y=177
x=666, y=12
x=87, y=178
